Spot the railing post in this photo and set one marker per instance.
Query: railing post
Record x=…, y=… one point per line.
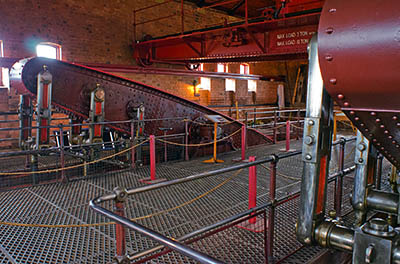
x=274, y=129
x=298, y=125
x=271, y=214
x=152, y=158
x=133, y=150
x=120, y=241
x=252, y=188
x=244, y=132
x=186, y=140
x=379, y=172
x=287, y=136
x=339, y=179
x=62, y=153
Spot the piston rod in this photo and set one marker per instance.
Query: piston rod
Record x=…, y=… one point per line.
x=383, y=201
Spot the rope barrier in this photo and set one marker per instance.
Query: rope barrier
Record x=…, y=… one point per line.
x=73, y=166
x=200, y=144
x=132, y=219
x=210, y=125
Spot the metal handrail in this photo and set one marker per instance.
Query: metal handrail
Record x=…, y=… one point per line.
x=97, y=123
x=173, y=244
x=239, y=216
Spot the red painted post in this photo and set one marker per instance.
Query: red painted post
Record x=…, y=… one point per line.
x=244, y=142
x=152, y=158
x=287, y=135
x=252, y=188
x=120, y=231
x=271, y=214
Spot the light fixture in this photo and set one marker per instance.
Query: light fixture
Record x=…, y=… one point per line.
x=195, y=89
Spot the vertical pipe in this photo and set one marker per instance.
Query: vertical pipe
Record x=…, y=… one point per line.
x=379, y=172
x=244, y=142
x=152, y=158
x=274, y=129
x=252, y=188
x=215, y=141
x=120, y=231
x=133, y=150
x=62, y=157
x=339, y=185
x=287, y=136
x=186, y=140
x=271, y=216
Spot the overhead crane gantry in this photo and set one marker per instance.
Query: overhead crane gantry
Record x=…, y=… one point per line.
x=279, y=30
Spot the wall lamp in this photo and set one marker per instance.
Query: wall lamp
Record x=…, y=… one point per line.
x=195, y=89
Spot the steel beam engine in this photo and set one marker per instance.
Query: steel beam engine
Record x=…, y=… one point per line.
x=356, y=60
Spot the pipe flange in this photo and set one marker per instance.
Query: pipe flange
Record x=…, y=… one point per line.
x=121, y=194
x=378, y=227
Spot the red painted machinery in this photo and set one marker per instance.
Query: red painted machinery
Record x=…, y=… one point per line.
x=354, y=60
x=83, y=93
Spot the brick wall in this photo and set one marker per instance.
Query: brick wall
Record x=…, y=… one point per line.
x=101, y=31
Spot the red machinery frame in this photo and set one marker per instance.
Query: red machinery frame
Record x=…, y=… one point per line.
x=281, y=36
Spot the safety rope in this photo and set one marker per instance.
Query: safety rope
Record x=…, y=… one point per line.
x=210, y=125
x=132, y=219
x=200, y=144
x=74, y=166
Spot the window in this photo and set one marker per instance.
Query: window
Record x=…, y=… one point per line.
x=230, y=85
x=49, y=50
x=251, y=84
x=4, y=77
x=205, y=83
x=222, y=67
x=244, y=69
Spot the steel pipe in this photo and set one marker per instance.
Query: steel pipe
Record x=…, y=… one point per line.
x=174, y=245
x=330, y=235
x=383, y=201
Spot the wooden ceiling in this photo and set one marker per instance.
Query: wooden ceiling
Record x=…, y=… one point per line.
x=237, y=8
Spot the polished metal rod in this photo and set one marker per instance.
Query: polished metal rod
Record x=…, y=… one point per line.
x=383, y=201
x=174, y=245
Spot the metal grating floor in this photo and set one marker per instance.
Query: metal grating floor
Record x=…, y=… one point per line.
x=68, y=204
